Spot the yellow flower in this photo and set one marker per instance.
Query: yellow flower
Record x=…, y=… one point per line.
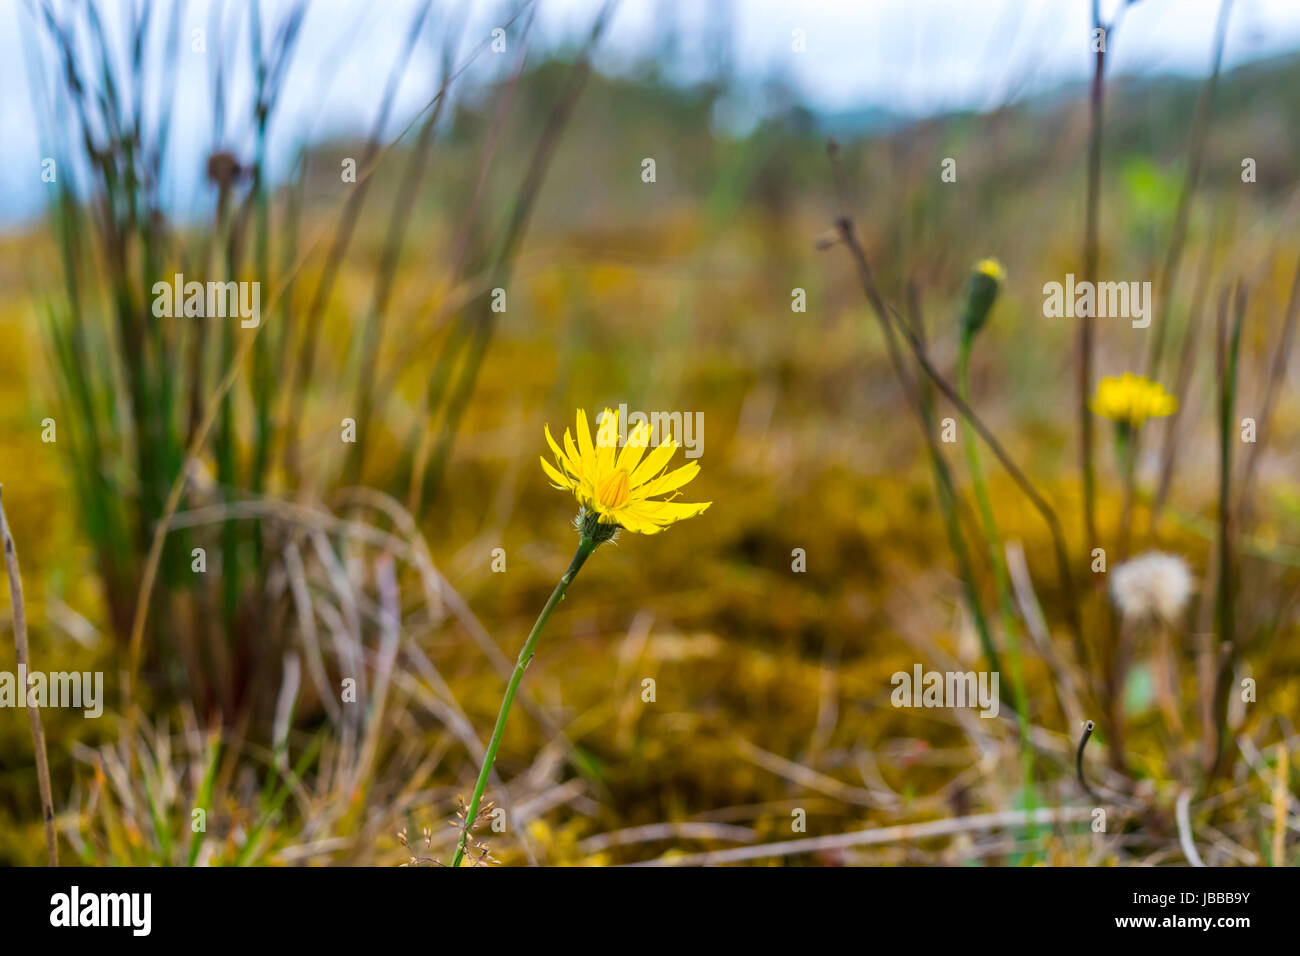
x=618, y=484
x=1132, y=399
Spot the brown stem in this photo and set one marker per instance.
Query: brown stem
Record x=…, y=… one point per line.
x=1169, y=452
x=1090, y=256
x=1277, y=373
x=1195, y=155
x=1227, y=351
x=1174, y=253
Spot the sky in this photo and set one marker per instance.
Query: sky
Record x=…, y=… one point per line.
x=914, y=57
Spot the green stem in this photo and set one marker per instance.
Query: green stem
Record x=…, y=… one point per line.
x=946, y=492
x=1001, y=577
x=1126, y=451
x=585, y=546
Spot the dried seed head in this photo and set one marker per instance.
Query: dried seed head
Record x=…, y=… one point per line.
x=224, y=169
x=1153, y=585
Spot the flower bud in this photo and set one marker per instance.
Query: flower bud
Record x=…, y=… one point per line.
x=981, y=291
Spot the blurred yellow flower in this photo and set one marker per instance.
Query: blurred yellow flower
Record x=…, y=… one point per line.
x=617, y=484
x=1131, y=399
x=992, y=268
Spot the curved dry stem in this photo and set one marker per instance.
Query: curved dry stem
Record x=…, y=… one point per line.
x=1088, y=728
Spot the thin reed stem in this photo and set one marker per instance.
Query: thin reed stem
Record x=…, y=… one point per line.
x=1096, y=101
x=429, y=466
x=1171, y=446
x=1276, y=376
x=1195, y=156
x=300, y=373
x=1228, y=351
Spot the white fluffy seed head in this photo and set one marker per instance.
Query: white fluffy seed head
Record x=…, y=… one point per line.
x=1152, y=585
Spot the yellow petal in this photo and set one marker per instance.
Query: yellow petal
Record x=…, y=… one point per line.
x=555, y=448
x=584, y=444
x=635, y=447
x=653, y=464
x=606, y=449
x=554, y=474
x=669, y=482
x=634, y=523
x=563, y=461
x=680, y=510
x=664, y=513
x=579, y=465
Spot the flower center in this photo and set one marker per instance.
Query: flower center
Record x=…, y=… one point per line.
x=613, y=490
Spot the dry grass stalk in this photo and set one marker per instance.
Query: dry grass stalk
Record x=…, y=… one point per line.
x=906, y=832
x=24, y=662
x=1280, y=806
